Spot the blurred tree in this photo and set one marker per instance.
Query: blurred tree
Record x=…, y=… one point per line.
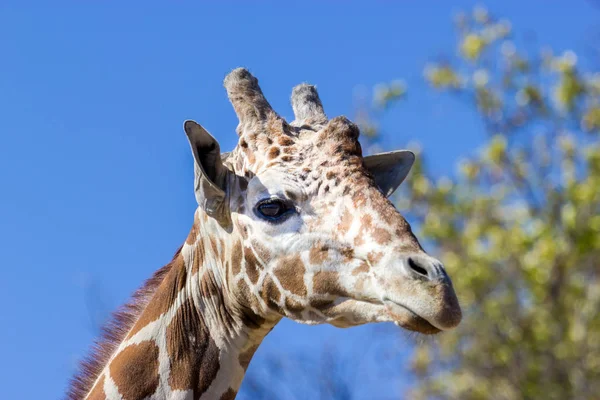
x=519, y=228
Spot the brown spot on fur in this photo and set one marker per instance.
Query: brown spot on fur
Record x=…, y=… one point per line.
x=261, y=251
x=208, y=365
x=182, y=349
x=214, y=246
x=381, y=235
x=193, y=354
x=273, y=152
x=410, y=242
x=290, y=273
x=346, y=221
x=236, y=258
x=359, y=285
x=243, y=294
x=318, y=254
x=359, y=239
x=164, y=297
x=208, y=285
x=293, y=305
x=135, y=370
x=347, y=252
x=321, y=304
x=374, y=257
x=276, y=126
x=272, y=305
x=363, y=267
x=250, y=156
x=246, y=356
x=366, y=222
x=287, y=158
x=191, y=239
x=285, y=140
x=229, y=394
x=344, y=134
x=97, y=392
x=359, y=199
x=269, y=290
x=198, y=258
x=251, y=265
x=244, y=232
x=326, y=282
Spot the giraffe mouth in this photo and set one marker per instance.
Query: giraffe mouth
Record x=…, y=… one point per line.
x=406, y=318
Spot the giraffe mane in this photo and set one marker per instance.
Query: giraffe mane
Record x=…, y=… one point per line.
x=113, y=332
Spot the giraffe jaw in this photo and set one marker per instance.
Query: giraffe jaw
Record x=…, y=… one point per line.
x=377, y=311
x=406, y=318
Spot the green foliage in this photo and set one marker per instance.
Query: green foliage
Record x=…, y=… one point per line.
x=385, y=94
x=519, y=227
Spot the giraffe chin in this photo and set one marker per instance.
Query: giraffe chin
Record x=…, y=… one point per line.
x=408, y=319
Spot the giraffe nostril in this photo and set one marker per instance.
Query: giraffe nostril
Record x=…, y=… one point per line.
x=415, y=267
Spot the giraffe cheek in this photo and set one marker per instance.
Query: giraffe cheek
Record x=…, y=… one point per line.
x=290, y=272
x=327, y=282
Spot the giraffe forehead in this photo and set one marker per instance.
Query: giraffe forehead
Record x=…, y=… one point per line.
x=327, y=144
x=279, y=142
x=310, y=161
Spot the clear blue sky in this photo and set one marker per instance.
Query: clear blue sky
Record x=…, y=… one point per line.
x=95, y=170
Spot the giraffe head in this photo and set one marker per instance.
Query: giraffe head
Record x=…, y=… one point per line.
x=315, y=237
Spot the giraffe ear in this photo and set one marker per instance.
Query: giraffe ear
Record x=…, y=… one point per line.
x=210, y=175
x=390, y=169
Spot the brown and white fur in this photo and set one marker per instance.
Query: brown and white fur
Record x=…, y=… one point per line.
x=295, y=223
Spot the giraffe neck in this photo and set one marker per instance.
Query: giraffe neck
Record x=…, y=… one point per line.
x=192, y=340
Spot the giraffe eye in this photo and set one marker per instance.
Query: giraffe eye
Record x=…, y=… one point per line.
x=274, y=210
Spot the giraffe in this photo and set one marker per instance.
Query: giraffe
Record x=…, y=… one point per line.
x=295, y=223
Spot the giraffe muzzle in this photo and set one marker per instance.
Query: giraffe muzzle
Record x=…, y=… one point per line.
x=419, y=295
